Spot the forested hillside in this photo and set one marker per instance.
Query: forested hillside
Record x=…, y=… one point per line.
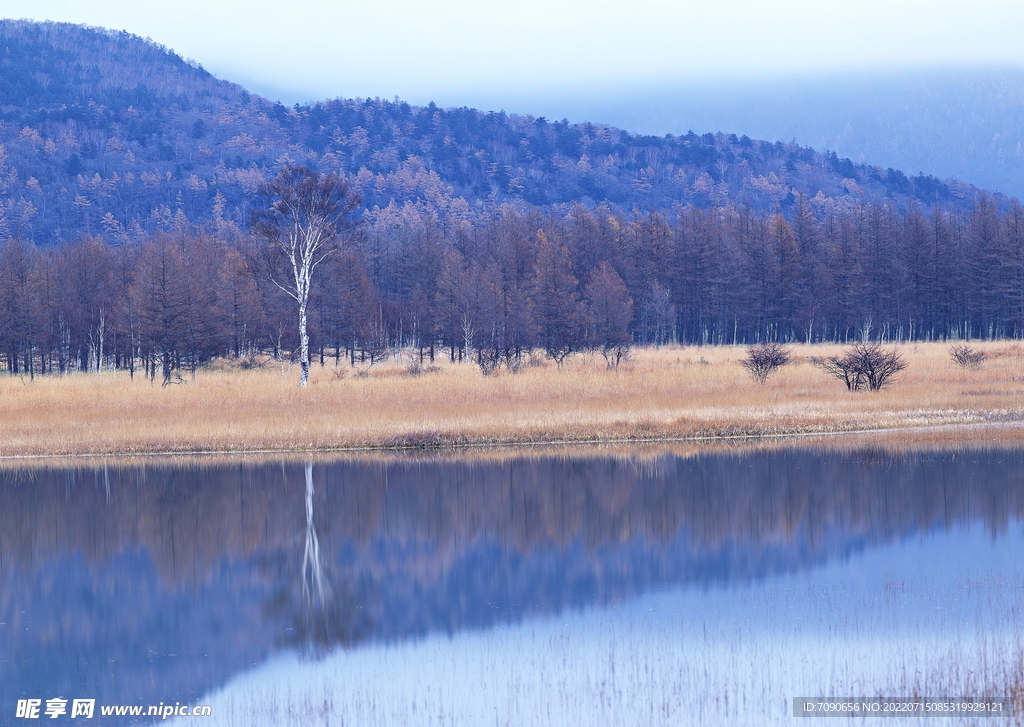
x=127, y=175
x=106, y=133
x=965, y=123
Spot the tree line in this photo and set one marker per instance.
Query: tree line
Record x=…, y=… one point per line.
x=506, y=281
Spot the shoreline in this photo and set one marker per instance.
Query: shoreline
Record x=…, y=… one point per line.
x=458, y=446
x=441, y=445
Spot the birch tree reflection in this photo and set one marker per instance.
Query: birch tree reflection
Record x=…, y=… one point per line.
x=312, y=567
x=320, y=615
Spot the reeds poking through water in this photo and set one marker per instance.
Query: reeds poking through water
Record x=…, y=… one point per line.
x=672, y=392
x=905, y=621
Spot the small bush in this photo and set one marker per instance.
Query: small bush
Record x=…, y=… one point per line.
x=615, y=354
x=489, y=360
x=965, y=356
x=416, y=368
x=865, y=365
x=763, y=359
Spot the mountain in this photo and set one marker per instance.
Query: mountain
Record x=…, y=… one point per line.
x=962, y=123
x=105, y=133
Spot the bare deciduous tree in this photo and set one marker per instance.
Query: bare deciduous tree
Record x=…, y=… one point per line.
x=611, y=310
x=865, y=365
x=304, y=217
x=763, y=359
x=559, y=312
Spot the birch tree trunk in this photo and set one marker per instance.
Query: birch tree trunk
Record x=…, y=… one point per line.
x=305, y=216
x=303, y=344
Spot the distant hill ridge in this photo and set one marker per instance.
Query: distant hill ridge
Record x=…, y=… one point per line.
x=106, y=133
x=58, y=66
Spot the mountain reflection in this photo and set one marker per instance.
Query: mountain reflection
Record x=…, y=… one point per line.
x=123, y=584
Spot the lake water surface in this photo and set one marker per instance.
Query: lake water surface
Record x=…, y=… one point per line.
x=544, y=590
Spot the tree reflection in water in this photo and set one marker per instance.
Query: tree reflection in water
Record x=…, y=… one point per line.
x=184, y=574
x=324, y=617
x=312, y=568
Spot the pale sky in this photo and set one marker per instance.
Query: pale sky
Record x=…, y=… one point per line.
x=462, y=52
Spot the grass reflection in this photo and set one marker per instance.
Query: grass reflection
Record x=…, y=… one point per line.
x=937, y=617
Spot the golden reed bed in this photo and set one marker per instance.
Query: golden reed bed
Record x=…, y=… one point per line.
x=668, y=393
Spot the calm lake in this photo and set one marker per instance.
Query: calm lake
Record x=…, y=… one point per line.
x=560, y=589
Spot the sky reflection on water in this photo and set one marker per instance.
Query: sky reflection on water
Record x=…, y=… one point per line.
x=936, y=615
x=629, y=591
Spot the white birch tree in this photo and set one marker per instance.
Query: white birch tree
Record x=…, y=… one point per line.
x=303, y=220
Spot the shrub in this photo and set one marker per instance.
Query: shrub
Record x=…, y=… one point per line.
x=865, y=365
x=965, y=356
x=763, y=359
x=489, y=360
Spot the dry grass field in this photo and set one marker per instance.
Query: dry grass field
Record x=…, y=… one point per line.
x=668, y=393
